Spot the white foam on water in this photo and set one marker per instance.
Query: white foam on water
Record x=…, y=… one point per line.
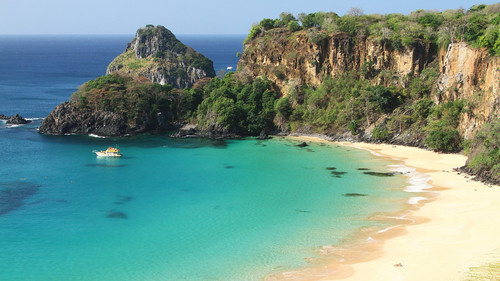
x=97, y=136
x=418, y=182
x=415, y=200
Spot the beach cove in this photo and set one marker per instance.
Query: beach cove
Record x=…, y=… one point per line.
x=453, y=236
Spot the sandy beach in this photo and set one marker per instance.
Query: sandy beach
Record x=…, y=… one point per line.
x=457, y=230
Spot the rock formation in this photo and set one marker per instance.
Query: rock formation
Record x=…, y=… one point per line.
x=157, y=54
x=291, y=60
x=472, y=74
x=14, y=120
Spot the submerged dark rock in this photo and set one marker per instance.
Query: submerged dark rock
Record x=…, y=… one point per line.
x=122, y=200
x=116, y=215
x=378, y=174
x=363, y=169
x=331, y=168
x=302, y=144
x=302, y=211
x=335, y=173
x=13, y=195
x=354, y=195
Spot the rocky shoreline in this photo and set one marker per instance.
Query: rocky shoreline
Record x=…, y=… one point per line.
x=68, y=118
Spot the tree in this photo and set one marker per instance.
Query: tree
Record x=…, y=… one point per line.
x=432, y=20
x=309, y=21
x=293, y=25
x=267, y=24
x=355, y=11
x=286, y=17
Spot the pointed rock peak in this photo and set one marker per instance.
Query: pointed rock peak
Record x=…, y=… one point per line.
x=154, y=41
x=157, y=54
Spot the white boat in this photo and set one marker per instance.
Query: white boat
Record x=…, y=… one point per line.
x=110, y=152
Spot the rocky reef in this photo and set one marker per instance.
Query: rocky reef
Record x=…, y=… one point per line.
x=14, y=120
x=156, y=53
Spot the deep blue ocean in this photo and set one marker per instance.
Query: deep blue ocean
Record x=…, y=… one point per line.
x=169, y=209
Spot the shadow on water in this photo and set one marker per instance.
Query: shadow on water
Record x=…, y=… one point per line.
x=191, y=143
x=144, y=140
x=13, y=194
x=107, y=165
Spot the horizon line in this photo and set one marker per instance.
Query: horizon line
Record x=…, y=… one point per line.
x=111, y=34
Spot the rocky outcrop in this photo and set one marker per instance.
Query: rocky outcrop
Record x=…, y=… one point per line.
x=156, y=53
x=69, y=118
x=17, y=120
x=292, y=59
x=212, y=132
x=14, y=120
x=471, y=74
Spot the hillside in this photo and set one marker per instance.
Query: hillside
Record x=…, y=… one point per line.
x=156, y=53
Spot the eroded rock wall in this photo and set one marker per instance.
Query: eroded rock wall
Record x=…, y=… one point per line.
x=471, y=74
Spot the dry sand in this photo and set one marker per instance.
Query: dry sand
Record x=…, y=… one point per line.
x=457, y=230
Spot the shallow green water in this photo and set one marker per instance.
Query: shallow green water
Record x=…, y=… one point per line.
x=178, y=209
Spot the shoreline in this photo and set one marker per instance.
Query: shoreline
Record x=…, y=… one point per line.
x=453, y=228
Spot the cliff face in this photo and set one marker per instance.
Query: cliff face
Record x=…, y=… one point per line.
x=69, y=118
x=474, y=75
x=292, y=59
x=157, y=54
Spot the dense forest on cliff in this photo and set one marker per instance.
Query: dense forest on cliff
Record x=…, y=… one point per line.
x=478, y=26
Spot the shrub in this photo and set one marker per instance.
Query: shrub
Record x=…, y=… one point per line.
x=283, y=107
x=444, y=138
x=380, y=133
x=484, y=156
x=353, y=127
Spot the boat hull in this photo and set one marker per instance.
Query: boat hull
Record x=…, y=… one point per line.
x=107, y=154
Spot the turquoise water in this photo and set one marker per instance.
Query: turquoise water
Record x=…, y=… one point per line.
x=169, y=209
x=179, y=209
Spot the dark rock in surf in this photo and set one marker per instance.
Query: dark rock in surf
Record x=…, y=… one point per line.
x=17, y=120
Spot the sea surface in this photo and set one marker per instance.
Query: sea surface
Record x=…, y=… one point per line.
x=169, y=209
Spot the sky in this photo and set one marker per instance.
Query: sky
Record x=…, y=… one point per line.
x=182, y=16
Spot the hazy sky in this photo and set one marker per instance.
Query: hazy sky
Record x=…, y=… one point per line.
x=181, y=16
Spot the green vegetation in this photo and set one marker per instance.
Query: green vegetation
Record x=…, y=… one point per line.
x=484, y=152
x=242, y=108
x=132, y=98
x=479, y=26
x=443, y=134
